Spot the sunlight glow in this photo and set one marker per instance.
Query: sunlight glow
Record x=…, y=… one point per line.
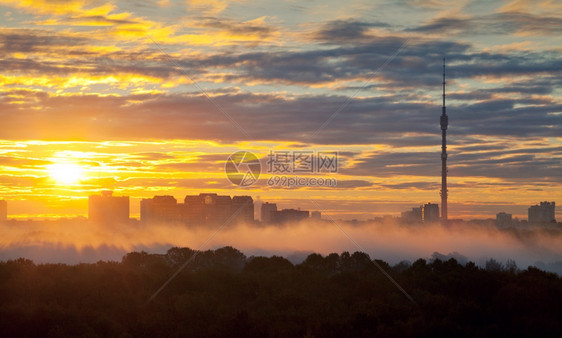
x=65, y=173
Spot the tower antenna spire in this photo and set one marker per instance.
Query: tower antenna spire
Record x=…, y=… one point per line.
x=444, y=124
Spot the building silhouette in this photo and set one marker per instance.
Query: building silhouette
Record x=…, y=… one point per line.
x=270, y=215
x=202, y=209
x=106, y=208
x=289, y=215
x=3, y=211
x=209, y=209
x=413, y=216
x=503, y=219
x=161, y=209
x=316, y=215
x=430, y=212
x=267, y=211
x=244, y=207
x=543, y=213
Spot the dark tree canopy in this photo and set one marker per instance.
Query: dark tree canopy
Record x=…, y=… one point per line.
x=224, y=293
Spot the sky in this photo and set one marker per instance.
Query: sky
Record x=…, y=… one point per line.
x=151, y=97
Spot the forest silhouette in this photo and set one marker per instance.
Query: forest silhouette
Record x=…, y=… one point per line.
x=223, y=293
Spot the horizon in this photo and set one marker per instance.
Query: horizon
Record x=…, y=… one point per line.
x=136, y=215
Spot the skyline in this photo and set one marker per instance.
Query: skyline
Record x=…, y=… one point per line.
x=106, y=208
x=152, y=98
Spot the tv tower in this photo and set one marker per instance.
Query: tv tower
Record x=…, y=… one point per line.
x=444, y=124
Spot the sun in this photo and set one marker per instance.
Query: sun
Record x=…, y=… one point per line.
x=65, y=173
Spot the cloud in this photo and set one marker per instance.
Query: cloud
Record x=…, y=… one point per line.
x=206, y=6
x=444, y=25
x=256, y=27
x=36, y=40
x=22, y=181
x=376, y=120
x=528, y=6
x=19, y=162
x=504, y=23
x=346, y=31
x=530, y=164
x=342, y=67
x=55, y=7
x=414, y=185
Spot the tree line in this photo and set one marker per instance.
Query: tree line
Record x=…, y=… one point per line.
x=223, y=293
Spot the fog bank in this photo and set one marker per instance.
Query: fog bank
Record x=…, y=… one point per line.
x=75, y=242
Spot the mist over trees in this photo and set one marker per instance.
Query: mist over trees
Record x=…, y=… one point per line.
x=224, y=293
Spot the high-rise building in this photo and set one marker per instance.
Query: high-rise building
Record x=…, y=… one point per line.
x=430, y=212
x=243, y=207
x=413, y=216
x=289, y=215
x=503, y=219
x=543, y=213
x=195, y=209
x=106, y=208
x=146, y=210
x=266, y=212
x=213, y=209
x=161, y=209
x=3, y=211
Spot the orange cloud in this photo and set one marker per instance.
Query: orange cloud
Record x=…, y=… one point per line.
x=531, y=6
x=59, y=7
x=208, y=6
